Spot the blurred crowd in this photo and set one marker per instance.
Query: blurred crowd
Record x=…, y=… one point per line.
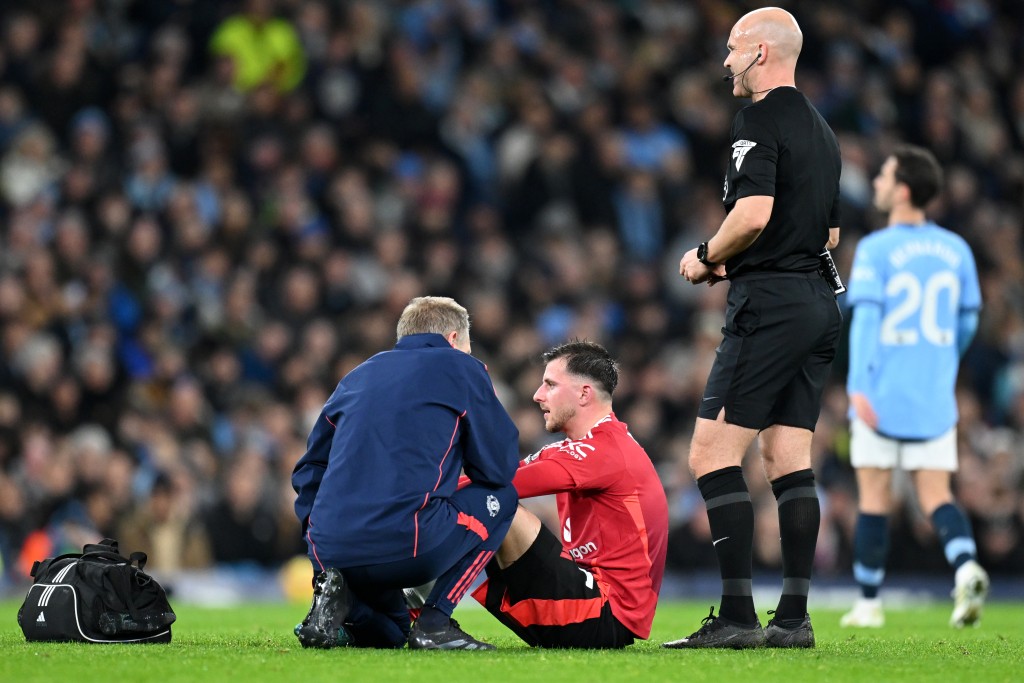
x=210, y=211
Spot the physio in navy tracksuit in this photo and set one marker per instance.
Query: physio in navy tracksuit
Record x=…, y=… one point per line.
x=377, y=491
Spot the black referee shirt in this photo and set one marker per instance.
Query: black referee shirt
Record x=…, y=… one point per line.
x=783, y=148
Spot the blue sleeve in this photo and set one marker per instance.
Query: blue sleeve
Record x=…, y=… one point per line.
x=866, y=278
x=970, y=300
x=491, y=454
x=309, y=470
x=864, y=329
x=967, y=325
x=970, y=290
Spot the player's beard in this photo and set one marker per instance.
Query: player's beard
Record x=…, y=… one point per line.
x=556, y=420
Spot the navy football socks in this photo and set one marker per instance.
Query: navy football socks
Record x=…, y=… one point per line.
x=870, y=552
x=954, y=531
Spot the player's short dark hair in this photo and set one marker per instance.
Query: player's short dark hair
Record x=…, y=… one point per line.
x=918, y=169
x=587, y=359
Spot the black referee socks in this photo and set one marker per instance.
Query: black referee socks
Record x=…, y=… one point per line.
x=799, y=519
x=731, y=517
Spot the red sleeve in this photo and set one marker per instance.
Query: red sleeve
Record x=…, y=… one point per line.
x=541, y=477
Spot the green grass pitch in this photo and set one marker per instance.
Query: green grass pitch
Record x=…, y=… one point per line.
x=254, y=643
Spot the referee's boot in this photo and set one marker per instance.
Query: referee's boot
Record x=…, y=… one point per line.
x=324, y=626
x=721, y=633
x=449, y=636
x=789, y=632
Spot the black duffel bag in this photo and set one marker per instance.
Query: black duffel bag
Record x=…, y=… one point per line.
x=96, y=596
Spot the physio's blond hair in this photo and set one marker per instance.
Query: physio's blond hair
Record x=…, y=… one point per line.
x=436, y=314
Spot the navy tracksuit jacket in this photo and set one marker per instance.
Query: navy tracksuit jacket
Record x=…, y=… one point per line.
x=388, y=448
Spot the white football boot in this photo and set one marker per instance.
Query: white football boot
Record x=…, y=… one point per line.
x=866, y=613
x=969, y=595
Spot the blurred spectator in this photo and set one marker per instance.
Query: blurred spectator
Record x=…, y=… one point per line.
x=242, y=525
x=166, y=528
x=13, y=115
x=264, y=49
x=640, y=216
x=30, y=167
x=648, y=144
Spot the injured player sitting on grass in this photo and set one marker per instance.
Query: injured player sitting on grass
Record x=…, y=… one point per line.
x=598, y=586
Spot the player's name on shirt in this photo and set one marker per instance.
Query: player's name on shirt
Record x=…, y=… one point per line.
x=910, y=250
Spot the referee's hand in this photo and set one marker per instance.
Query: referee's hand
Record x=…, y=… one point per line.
x=696, y=272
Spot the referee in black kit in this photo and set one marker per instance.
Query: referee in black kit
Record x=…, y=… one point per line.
x=782, y=326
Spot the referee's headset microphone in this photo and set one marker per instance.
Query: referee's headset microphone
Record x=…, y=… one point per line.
x=749, y=67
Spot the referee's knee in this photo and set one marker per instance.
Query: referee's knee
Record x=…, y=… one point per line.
x=702, y=461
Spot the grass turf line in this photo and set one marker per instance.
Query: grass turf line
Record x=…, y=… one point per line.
x=254, y=643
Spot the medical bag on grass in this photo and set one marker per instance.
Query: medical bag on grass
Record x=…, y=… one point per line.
x=96, y=596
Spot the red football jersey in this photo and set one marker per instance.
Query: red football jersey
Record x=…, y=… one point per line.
x=613, y=514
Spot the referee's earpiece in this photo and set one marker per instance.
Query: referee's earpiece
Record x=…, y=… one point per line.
x=733, y=77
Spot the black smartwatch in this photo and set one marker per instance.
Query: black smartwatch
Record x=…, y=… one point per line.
x=702, y=255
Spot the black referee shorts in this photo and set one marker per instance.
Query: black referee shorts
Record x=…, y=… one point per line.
x=780, y=336
x=550, y=601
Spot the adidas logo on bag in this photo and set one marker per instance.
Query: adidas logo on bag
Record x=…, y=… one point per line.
x=40, y=619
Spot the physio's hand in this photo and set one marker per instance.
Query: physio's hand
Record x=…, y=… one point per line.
x=864, y=410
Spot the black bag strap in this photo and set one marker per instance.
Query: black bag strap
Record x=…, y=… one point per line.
x=107, y=544
x=139, y=559
x=106, y=555
x=126, y=590
x=125, y=577
x=105, y=549
x=42, y=566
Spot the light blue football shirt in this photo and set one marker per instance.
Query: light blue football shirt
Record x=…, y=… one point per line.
x=922, y=277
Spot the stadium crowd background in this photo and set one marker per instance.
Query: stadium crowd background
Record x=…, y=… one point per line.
x=212, y=210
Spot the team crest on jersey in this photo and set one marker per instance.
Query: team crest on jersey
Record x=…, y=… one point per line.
x=493, y=506
x=739, y=151
x=576, y=450
x=862, y=272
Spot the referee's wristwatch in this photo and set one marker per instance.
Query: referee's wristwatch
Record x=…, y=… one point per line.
x=702, y=255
